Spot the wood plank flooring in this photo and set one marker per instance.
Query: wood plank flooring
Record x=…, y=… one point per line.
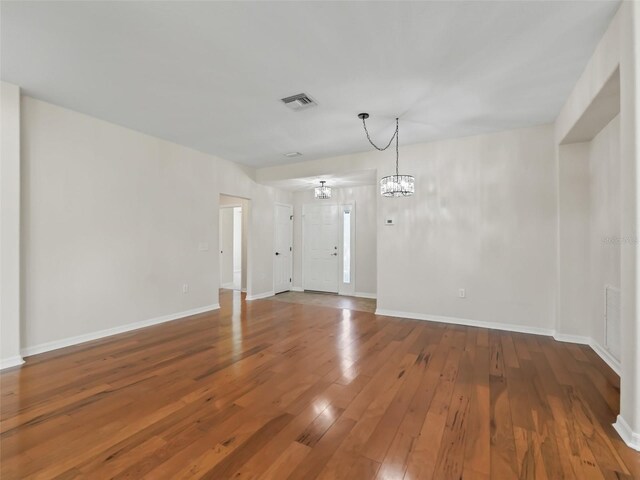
x=278, y=390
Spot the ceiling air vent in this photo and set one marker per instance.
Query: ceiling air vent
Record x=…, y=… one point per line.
x=300, y=101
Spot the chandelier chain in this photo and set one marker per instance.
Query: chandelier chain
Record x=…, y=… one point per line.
x=382, y=149
x=397, y=151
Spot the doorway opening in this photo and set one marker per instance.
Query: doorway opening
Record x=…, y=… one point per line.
x=590, y=226
x=233, y=242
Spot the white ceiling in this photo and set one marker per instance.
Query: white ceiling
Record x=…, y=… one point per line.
x=209, y=75
x=345, y=180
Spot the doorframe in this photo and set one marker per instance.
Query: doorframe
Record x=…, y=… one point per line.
x=220, y=207
x=247, y=221
x=273, y=250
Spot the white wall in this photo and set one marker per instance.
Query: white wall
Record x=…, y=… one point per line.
x=112, y=223
x=604, y=222
x=620, y=48
x=589, y=231
x=9, y=225
x=483, y=218
x=628, y=423
x=365, y=200
x=574, y=246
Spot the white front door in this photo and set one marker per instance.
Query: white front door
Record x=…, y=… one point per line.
x=283, y=242
x=321, y=235
x=226, y=247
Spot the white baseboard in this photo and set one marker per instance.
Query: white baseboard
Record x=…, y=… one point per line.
x=87, y=337
x=297, y=289
x=601, y=351
x=258, y=296
x=228, y=286
x=11, y=362
x=365, y=295
x=631, y=438
x=561, y=337
x=595, y=346
x=465, y=321
x=604, y=354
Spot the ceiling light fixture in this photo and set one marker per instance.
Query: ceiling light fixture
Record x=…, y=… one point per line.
x=292, y=154
x=392, y=185
x=323, y=192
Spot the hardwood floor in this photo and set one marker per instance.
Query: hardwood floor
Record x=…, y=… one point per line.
x=277, y=390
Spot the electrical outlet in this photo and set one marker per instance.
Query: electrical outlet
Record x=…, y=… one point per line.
x=185, y=288
x=462, y=293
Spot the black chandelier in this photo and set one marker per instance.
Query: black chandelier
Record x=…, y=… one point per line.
x=392, y=185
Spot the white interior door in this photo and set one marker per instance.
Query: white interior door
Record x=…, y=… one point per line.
x=321, y=236
x=283, y=241
x=226, y=247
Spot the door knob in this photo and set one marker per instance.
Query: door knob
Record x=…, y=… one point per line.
x=277, y=253
x=335, y=254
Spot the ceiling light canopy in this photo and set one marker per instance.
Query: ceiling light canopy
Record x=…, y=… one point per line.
x=392, y=185
x=323, y=192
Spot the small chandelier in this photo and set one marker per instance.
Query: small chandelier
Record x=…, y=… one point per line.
x=392, y=185
x=323, y=191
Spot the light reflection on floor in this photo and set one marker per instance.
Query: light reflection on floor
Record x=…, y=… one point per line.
x=345, y=341
x=345, y=346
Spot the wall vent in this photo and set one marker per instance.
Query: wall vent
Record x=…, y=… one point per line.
x=300, y=101
x=612, y=332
